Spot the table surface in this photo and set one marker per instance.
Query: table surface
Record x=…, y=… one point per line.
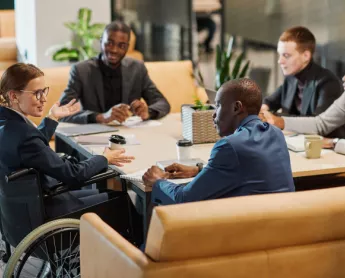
x=206, y=5
x=158, y=143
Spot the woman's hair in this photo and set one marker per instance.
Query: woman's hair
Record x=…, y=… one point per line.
x=17, y=77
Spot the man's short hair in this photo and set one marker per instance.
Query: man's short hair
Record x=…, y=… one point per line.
x=302, y=36
x=118, y=26
x=246, y=91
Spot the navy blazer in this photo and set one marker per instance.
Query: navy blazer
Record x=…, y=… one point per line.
x=25, y=146
x=253, y=160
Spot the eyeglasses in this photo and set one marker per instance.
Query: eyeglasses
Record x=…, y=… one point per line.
x=38, y=93
x=121, y=45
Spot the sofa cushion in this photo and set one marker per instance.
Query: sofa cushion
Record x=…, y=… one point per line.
x=8, y=49
x=7, y=27
x=246, y=224
x=175, y=81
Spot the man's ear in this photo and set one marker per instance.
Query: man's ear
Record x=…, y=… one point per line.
x=238, y=107
x=307, y=56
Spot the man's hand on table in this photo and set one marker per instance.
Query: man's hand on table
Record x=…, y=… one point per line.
x=268, y=117
x=153, y=174
x=328, y=143
x=177, y=171
x=119, y=112
x=140, y=108
x=117, y=157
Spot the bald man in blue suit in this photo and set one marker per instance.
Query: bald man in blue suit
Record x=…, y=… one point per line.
x=251, y=158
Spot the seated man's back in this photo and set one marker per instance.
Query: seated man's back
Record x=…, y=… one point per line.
x=252, y=158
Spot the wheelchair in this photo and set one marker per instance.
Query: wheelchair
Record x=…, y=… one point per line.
x=50, y=247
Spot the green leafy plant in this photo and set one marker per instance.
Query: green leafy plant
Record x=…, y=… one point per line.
x=223, y=71
x=81, y=46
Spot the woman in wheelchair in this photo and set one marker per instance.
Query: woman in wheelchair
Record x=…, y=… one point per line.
x=23, y=93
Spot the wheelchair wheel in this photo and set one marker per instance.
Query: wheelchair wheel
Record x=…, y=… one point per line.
x=51, y=250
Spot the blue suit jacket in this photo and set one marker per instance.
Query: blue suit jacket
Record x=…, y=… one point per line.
x=253, y=160
x=25, y=146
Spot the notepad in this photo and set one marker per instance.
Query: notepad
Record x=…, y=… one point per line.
x=137, y=177
x=295, y=143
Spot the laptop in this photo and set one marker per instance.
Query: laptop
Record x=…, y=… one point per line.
x=211, y=94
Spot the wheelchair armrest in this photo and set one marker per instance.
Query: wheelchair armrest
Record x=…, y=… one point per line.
x=108, y=174
x=61, y=187
x=20, y=173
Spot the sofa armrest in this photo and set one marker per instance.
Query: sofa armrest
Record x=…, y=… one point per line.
x=105, y=253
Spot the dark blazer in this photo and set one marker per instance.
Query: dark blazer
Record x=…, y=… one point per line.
x=321, y=90
x=253, y=160
x=86, y=84
x=25, y=146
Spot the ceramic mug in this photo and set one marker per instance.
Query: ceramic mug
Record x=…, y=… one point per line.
x=313, y=146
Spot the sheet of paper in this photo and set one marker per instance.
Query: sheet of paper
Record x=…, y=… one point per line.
x=135, y=121
x=103, y=140
x=75, y=129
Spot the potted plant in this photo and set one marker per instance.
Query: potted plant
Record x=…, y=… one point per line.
x=197, y=121
x=81, y=46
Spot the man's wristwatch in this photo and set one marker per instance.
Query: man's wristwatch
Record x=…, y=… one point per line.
x=200, y=166
x=335, y=141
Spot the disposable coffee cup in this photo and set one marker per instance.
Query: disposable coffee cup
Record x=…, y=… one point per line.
x=184, y=149
x=116, y=142
x=313, y=146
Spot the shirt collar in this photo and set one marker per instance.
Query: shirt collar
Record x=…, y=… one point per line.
x=27, y=120
x=246, y=121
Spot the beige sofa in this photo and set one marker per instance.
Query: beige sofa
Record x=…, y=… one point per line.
x=173, y=79
x=299, y=235
x=8, y=49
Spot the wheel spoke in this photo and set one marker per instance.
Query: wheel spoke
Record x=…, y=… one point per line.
x=45, y=257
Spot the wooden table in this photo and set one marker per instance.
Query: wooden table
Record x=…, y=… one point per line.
x=159, y=143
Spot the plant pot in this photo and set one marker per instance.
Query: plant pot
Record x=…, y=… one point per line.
x=197, y=125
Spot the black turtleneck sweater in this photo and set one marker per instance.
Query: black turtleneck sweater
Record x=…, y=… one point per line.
x=301, y=77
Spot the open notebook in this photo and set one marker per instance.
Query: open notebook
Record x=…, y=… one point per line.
x=137, y=176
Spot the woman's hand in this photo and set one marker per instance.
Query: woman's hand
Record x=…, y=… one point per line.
x=117, y=157
x=57, y=112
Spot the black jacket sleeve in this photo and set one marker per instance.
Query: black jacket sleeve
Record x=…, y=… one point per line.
x=74, y=90
x=274, y=101
x=34, y=153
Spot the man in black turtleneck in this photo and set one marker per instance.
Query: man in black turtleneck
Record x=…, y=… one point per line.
x=308, y=89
